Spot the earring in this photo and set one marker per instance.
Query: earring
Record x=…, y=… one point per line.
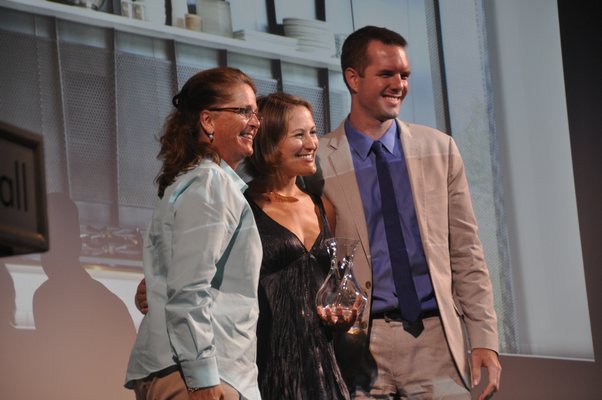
x=210, y=136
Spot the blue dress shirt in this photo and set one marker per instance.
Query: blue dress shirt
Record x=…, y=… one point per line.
x=202, y=256
x=384, y=296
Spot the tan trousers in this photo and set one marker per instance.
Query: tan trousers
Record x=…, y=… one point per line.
x=404, y=367
x=172, y=387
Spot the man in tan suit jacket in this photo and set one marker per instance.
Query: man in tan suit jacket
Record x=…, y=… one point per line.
x=383, y=360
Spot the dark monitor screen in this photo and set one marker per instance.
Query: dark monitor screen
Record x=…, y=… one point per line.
x=23, y=214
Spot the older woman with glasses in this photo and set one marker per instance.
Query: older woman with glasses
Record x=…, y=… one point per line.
x=202, y=250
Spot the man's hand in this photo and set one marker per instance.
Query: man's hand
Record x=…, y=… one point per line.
x=209, y=393
x=140, y=297
x=486, y=358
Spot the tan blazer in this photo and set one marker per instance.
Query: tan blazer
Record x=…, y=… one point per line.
x=447, y=226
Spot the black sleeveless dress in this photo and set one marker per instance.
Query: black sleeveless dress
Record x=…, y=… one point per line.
x=295, y=354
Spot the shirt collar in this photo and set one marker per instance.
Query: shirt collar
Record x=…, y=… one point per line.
x=361, y=143
x=389, y=138
x=238, y=182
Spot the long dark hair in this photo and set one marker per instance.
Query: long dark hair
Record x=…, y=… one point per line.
x=181, y=147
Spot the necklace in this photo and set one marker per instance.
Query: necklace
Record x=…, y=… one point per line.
x=280, y=198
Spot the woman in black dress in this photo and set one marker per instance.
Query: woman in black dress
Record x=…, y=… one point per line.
x=295, y=352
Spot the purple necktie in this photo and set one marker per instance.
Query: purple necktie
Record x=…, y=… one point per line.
x=409, y=305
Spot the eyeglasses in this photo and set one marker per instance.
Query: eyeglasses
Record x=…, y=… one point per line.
x=245, y=112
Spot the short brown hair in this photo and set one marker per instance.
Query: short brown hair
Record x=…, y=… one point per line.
x=353, y=53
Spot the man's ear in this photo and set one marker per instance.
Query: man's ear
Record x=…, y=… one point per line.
x=352, y=78
x=206, y=121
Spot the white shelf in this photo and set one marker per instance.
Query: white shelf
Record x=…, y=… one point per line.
x=144, y=28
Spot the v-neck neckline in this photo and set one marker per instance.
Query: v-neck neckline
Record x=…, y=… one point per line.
x=320, y=223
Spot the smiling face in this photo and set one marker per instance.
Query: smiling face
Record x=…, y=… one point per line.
x=233, y=133
x=297, y=150
x=377, y=93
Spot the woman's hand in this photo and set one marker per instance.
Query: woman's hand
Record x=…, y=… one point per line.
x=140, y=298
x=338, y=318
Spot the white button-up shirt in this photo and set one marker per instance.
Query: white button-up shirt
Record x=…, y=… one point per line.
x=202, y=256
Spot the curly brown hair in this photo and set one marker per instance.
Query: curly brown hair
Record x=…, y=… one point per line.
x=275, y=112
x=181, y=147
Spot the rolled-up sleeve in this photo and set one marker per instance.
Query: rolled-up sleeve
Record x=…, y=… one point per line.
x=200, y=234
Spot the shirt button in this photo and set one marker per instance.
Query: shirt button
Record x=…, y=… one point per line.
x=368, y=285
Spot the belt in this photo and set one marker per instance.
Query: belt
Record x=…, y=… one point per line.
x=413, y=328
x=395, y=315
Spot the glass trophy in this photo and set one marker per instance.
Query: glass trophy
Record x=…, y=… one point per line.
x=340, y=300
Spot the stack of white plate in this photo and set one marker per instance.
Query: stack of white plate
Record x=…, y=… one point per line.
x=267, y=40
x=313, y=35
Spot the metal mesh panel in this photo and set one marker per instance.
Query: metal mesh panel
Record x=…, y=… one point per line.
x=339, y=107
x=89, y=98
x=316, y=97
x=191, y=59
x=184, y=72
x=30, y=97
x=144, y=88
x=19, y=92
x=52, y=117
x=265, y=86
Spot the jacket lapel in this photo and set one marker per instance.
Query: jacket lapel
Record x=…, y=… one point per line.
x=346, y=193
